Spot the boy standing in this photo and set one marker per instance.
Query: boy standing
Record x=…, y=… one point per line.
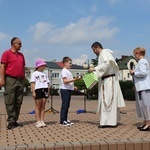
x=66, y=88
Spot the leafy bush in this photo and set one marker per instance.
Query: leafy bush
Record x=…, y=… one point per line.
x=54, y=91
x=26, y=86
x=127, y=88
x=91, y=94
x=77, y=93
x=80, y=84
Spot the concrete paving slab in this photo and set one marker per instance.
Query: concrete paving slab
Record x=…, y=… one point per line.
x=84, y=134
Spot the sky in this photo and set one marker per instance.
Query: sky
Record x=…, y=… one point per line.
x=53, y=29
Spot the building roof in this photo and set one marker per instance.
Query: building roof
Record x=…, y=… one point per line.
x=59, y=65
x=122, y=62
x=52, y=65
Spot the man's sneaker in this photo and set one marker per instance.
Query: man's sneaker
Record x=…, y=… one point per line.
x=38, y=124
x=16, y=124
x=64, y=124
x=69, y=122
x=43, y=124
x=10, y=126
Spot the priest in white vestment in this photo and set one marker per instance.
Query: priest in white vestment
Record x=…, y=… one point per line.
x=110, y=97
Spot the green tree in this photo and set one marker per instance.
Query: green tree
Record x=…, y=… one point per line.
x=94, y=61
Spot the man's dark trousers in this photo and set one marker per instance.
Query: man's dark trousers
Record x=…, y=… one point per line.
x=13, y=96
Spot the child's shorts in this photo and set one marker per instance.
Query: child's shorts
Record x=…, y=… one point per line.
x=41, y=93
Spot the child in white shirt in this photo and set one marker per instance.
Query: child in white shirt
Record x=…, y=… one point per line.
x=40, y=91
x=66, y=88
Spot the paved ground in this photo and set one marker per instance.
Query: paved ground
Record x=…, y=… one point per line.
x=83, y=135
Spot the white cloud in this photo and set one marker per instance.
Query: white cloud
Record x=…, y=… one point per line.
x=85, y=29
x=30, y=58
x=81, y=60
x=73, y=39
x=3, y=35
x=93, y=8
x=40, y=30
x=112, y=2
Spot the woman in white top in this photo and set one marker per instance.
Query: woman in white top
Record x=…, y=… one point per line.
x=40, y=91
x=141, y=76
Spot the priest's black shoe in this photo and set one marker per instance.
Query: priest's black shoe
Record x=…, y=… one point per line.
x=107, y=126
x=99, y=126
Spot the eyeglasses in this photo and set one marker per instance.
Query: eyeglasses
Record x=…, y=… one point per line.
x=18, y=43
